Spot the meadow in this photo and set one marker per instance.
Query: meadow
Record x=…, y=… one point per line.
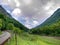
x=29, y=39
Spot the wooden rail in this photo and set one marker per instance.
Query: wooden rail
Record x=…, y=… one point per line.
x=4, y=37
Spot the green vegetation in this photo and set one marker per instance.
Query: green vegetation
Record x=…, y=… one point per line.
x=28, y=39
x=7, y=18
x=6, y=21
x=52, y=30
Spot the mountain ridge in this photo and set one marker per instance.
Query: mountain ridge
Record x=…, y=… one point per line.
x=52, y=19
x=5, y=15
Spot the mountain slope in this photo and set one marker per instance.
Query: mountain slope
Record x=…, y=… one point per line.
x=9, y=19
x=53, y=19
x=3, y=11
x=50, y=27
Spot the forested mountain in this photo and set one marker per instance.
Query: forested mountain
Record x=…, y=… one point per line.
x=50, y=27
x=53, y=19
x=6, y=19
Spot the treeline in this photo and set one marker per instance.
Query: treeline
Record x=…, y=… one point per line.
x=10, y=24
x=52, y=30
x=7, y=23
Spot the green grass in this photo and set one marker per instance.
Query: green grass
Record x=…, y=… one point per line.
x=28, y=39
x=0, y=32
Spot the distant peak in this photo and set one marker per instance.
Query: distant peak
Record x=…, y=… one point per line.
x=58, y=9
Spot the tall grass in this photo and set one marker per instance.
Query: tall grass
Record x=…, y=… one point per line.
x=28, y=39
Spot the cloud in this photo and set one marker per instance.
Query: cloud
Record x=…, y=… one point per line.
x=4, y=2
x=48, y=5
x=9, y=1
x=17, y=3
x=33, y=12
x=29, y=26
x=16, y=11
x=35, y=22
x=51, y=7
x=27, y=2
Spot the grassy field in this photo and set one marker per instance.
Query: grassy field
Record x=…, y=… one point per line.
x=29, y=39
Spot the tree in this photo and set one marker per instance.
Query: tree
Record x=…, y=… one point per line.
x=10, y=26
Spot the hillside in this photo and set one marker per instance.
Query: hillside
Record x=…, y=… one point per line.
x=7, y=18
x=50, y=27
x=51, y=20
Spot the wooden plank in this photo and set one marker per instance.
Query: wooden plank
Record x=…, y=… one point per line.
x=4, y=37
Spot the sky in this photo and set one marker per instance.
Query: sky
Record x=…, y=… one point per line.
x=30, y=13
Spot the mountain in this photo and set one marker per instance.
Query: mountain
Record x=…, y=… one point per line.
x=51, y=20
x=3, y=11
x=50, y=27
x=4, y=15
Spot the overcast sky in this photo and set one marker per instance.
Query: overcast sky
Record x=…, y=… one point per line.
x=31, y=12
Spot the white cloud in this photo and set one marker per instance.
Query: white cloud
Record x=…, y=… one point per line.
x=4, y=2
x=28, y=23
x=48, y=5
x=51, y=7
x=27, y=1
x=26, y=18
x=17, y=3
x=50, y=12
x=35, y=22
x=9, y=0
x=37, y=13
x=29, y=26
x=16, y=12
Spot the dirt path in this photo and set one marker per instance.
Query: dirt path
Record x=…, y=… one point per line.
x=57, y=38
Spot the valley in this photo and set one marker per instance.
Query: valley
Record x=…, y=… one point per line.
x=46, y=34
